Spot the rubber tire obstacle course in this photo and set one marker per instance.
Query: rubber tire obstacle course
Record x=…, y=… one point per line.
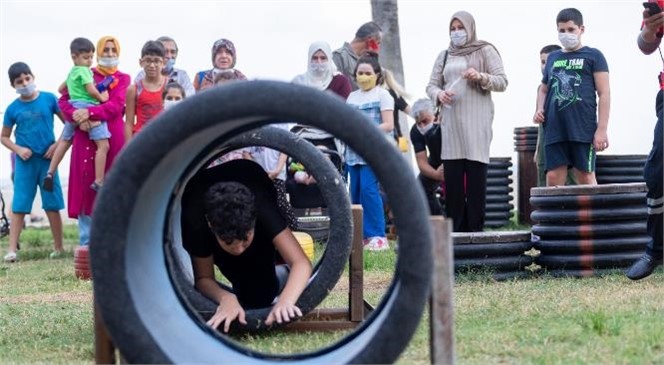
x=135, y=219
x=586, y=230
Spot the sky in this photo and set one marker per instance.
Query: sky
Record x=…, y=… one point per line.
x=272, y=39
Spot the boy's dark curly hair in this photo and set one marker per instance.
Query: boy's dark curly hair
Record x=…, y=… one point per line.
x=231, y=211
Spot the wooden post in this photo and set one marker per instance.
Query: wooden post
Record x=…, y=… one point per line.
x=442, y=299
x=356, y=269
x=104, y=348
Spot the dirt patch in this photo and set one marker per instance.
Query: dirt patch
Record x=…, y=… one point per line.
x=371, y=282
x=48, y=298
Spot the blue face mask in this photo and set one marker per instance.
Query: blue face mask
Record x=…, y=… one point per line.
x=27, y=90
x=170, y=63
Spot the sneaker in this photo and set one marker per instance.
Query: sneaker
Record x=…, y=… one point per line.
x=56, y=254
x=377, y=244
x=10, y=257
x=48, y=182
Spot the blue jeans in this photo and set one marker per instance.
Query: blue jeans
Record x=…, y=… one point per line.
x=84, y=224
x=652, y=174
x=364, y=190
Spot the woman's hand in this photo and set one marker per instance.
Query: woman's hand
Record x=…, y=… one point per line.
x=228, y=310
x=283, y=312
x=80, y=115
x=472, y=74
x=446, y=96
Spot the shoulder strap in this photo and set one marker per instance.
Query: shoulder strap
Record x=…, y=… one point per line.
x=442, y=78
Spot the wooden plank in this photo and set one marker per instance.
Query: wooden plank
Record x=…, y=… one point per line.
x=442, y=298
x=320, y=326
x=356, y=269
x=104, y=347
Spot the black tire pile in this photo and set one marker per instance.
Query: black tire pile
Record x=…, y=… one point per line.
x=584, y=231
x=619, y=169
x=501, y=254
x=499, y=193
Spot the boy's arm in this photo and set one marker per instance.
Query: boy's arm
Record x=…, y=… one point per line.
x=131, y=112
x=5, y=137
x=601, y=140
x=539, y=108
x=229, y=308
x=62, y=88
x=300, y=271
x=92, y=90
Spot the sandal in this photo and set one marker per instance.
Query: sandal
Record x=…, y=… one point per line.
x=48, y=182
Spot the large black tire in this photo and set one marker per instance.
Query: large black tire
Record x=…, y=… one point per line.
x=588, y=201
x=598, y=245
x=590, y=261
x=486, y=250
x=595, y=230
x=613, y=214
x=141, y=308
x=497, y=264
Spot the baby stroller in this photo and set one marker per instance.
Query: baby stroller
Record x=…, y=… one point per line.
x=4, y=222
x=305, y=197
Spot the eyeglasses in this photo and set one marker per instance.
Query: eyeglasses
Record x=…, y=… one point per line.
x=153, y=61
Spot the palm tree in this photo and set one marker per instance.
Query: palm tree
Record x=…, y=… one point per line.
x=386, y=14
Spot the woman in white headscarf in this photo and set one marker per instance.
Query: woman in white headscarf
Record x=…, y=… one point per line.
x=322, y=74
x=462, y=80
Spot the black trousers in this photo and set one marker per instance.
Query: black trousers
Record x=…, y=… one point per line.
x=465, y=198
x=653, y=175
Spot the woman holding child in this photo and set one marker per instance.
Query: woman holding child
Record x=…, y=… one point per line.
x=462, y=80
x=81, y=175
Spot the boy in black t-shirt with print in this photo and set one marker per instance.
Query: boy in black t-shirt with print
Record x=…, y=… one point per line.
x=230, y=219
x=575, y=124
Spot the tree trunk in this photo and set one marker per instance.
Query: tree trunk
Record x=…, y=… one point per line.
x=386, y=14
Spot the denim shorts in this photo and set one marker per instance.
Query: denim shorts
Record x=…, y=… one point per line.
x=30, y=174
x=96, y=133
x=99, y=132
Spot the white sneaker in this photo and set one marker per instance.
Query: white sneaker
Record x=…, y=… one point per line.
x=377, y=244
x=10, y=257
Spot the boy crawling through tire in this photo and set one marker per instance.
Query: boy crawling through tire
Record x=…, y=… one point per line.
x=230, y=219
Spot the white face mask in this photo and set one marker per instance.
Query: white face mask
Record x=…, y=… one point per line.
x=318, y=69
x=568, y=40
x=27, y=90
x=425, y=129
x=458, y=37
x=170, y=103
x=108, y=61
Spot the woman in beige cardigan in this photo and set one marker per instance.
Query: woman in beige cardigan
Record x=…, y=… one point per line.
x=462, y=80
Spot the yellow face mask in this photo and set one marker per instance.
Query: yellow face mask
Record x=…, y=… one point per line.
x=366, y=82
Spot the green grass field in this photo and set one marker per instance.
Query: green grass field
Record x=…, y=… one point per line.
x=46, y=315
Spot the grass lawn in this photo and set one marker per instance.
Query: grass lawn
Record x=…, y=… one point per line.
x=45, y=315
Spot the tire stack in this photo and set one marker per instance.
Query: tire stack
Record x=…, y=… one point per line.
x=501, y=253
x=585, y=230
x=82, y=263
x=620, y=169
x=499, y=193
x=525, y=143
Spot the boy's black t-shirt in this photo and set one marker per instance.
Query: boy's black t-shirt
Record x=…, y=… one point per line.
x=252, y=274
x=570, y=108
x=431, y=141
